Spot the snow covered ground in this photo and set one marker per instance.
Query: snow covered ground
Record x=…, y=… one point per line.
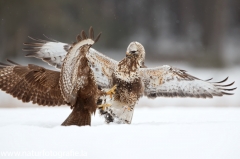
x=168, y=133
x=167, y=128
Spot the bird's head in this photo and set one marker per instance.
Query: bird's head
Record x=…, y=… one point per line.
x=136, y=50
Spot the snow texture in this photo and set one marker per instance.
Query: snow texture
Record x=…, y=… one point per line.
x=168, y=133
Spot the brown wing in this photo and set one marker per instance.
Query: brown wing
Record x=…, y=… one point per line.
x=75, y=70
x=31, y=83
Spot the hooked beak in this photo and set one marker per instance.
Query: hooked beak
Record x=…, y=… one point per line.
x=128, y=54
x=131, y=53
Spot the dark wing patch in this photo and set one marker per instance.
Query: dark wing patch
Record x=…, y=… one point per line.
x=75, y=67
x=32, y=83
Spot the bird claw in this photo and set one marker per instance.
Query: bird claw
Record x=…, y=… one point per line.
x=104, y=106
x=112, y=91
x=129, y=108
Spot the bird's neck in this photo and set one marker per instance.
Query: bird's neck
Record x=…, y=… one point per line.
x=128, y=67
x=128, y=64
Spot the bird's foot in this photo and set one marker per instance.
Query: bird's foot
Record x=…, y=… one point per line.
x=104, y=106
x=112, y=91
x=129, y=108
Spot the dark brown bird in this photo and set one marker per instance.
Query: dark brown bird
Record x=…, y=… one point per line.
x=77, y=82
x=74, y=85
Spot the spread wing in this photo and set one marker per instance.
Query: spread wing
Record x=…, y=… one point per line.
x=54, y=52
x=75, y=69
x=103, y=68
x=31, y=83
x=172, y=82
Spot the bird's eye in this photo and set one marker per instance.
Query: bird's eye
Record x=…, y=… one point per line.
x=132, y=52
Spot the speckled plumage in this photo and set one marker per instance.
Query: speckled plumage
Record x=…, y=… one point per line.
x=75, y=85
x=134, y=80
x=77, y=82
x=31, y=83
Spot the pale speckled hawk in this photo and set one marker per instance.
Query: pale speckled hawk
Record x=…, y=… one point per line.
x=133, y=79
x=74, y=85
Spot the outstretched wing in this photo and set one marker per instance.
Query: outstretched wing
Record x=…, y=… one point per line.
x=103, y=68
x=52, y=51
x=31, y=83
x=172, y=82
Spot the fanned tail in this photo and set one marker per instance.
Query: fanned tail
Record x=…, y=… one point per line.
x=79, y=117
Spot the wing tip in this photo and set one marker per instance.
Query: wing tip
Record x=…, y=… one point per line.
x=83, y=36
x=225, y=90
x=222, y=80
x=98, y=37
x=10, y=63
x=31, y=54
x=226, y=93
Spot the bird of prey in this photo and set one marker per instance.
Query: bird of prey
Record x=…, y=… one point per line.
x=74, y=85
x=132, y=78
x=77, y=81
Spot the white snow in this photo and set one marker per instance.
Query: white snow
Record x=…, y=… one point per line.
x=168, y=133
x=166, y=128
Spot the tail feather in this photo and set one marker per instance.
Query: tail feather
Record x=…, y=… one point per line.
x=79, y=117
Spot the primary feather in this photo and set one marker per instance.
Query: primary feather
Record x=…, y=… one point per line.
x=74, y=85
x=134, y=80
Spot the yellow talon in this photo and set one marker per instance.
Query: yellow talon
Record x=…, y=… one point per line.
x=112, y=91
x=104, y=106
x=129, y=108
